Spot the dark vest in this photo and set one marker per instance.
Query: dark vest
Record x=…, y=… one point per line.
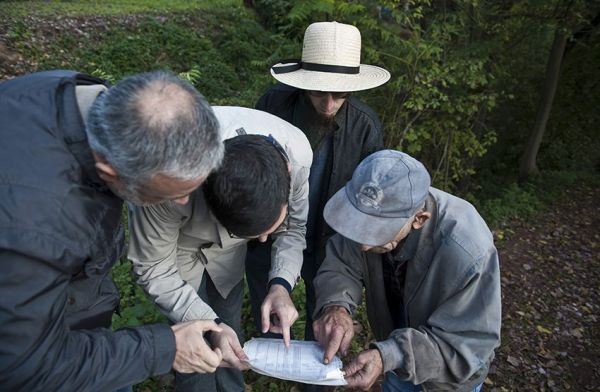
x=53, y=206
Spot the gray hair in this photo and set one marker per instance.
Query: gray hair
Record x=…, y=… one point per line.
x=155, y=123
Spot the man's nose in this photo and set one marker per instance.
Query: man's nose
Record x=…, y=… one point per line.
x=263, y=238
x=329, y=101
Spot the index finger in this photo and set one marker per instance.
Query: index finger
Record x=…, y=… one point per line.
x=333, y=345
x=284, y=324
x=285, y=330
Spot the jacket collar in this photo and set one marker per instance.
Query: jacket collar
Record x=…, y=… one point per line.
x=408, y=249
x=423, y=252
x=76, y=138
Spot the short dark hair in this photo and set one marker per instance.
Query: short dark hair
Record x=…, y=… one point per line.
x=247, y=192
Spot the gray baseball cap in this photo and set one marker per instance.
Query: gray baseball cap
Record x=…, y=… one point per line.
x=386, y=189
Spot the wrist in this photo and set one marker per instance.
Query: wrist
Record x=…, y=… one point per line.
x=335, y=309
x=277, y=283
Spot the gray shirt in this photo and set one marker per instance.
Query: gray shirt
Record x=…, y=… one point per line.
x=171, y=245
x=451, y=298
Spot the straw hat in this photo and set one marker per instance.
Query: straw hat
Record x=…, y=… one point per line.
x=330, y=61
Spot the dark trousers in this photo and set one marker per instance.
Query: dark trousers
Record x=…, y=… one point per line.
x=230, y=311
x=258, y=264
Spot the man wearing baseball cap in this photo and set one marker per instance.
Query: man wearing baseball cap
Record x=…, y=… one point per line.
x=430, y=271
x=314, y=94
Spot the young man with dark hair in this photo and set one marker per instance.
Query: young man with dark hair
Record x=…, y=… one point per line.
x=253, y=178
x=190, y=258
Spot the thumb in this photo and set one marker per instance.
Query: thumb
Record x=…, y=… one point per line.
x=239, y=352
x=211, y=326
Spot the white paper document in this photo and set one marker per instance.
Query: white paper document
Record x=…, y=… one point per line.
x=301, y=362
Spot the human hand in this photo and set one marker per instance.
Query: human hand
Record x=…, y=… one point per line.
x=279, y=304
x=364, y=370
x=227, y=341
x=193, y=355
x=334, y=331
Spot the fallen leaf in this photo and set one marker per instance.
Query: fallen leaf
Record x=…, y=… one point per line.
x=543, y=330
x=577, y=332
x=551, y=364
x=513, y=361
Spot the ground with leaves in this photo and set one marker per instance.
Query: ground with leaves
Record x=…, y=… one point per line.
x=550, y=262
x=550, y=287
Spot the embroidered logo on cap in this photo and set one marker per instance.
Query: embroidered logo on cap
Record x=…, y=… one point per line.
x=370, y=195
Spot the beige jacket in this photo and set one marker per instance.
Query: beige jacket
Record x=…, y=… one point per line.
x=171, y=245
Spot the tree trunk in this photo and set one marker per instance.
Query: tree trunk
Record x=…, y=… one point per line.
x=528, y=165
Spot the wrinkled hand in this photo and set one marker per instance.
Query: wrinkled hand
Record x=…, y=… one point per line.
x=334, y=331
x=364, y=370
x=193, y=355
x=227, y=341
x=278, y=303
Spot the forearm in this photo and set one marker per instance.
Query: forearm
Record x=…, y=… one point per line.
x=421, y=355
x=40, y=352
x=287, y=248
x=286, y=257
x=458, y=339
x=339, y=280
x=175, y=298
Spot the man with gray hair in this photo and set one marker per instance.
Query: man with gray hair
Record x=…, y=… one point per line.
x=430, y=271
x=72, y=150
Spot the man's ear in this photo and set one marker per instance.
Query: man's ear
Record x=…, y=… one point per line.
x=105, y=171
x=420, y=218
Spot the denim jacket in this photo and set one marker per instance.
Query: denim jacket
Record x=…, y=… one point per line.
x=451, y=302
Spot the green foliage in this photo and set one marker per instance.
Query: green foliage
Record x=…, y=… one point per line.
x=222, y=51
x=439, y=94
x=466, y=76
x=135, y=308
x=515, y=202
x=466, y=79
x=108, y=7
x=500, y=205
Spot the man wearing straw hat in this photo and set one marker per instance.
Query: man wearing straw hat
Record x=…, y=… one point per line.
x=429, y=267
x=314, y=95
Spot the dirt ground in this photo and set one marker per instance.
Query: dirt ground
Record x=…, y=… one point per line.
x=550, y=270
